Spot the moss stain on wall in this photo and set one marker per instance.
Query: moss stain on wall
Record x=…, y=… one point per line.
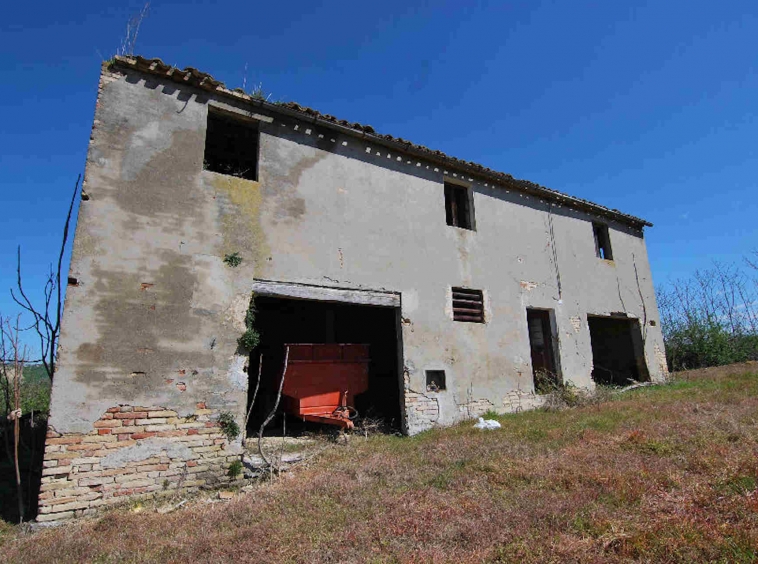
x=240, y=221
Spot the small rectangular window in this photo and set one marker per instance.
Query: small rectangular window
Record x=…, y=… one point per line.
x=468, y=305
x=231, y=146
x=602, y=241
x=435, y=380
x=458, y=208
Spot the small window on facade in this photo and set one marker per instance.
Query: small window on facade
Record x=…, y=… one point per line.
x=435, y=380
x=602, y=241
x=458, y=208
x=231, y=146
x=468, y=305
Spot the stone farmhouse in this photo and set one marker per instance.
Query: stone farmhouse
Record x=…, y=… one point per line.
x=474, y=291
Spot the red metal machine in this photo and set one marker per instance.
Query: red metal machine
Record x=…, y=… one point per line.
x=322, y=380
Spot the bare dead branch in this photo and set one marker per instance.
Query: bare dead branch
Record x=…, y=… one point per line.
x=276, y=406
x=635, y=386
x=11, y=335
x=47, y=320
x=129, y=42
x=255, y=393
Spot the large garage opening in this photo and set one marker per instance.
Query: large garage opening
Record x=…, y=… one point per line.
x=617, y=351
x=282, y=321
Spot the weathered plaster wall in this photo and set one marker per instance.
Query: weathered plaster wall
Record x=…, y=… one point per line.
x=155, y=316
x=370, y=218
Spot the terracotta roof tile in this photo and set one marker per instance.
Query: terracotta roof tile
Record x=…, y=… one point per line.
x=194, y=77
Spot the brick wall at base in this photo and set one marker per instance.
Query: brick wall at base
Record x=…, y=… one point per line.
x=475, y=408
x=131, y=451
x=422, y=411
x=517, y=401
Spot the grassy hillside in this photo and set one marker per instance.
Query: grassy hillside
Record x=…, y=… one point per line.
x=660, y=474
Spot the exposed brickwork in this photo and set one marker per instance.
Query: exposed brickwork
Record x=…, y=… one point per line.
x=516, y=401
x=131, y=451
x=475, y=408
x=422, y=411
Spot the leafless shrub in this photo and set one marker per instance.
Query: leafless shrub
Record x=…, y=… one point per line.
x=14, y=356
x=270, y=461
x=711, y=318
x=47, y=319
x=369, y=426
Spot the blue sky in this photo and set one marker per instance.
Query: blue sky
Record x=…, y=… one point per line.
x=647, y=107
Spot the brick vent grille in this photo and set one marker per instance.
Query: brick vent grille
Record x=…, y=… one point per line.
x=468, y=305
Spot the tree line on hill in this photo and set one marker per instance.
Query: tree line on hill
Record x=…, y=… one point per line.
x=711, y=318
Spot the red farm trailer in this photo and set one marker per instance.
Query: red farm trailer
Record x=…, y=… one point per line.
x=322, y=380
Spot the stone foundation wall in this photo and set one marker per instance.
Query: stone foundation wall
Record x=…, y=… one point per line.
x=132, y=451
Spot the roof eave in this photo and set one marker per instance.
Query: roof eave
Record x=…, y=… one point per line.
x=193, y=77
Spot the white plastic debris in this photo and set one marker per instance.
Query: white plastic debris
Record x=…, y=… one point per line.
x=487, y=424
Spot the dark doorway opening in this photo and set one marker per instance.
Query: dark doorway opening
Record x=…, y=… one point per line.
x=286, y=320
x=617, y=351
x=542, y=343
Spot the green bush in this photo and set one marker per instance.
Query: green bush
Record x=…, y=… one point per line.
x=250, y=338
x=235, y=469
x=35, y=391
x=228, y=425
x=711, y=318
x=233, y=260
x=698, y=344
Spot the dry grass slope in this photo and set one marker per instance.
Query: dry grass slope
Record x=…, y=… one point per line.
x=660, y=474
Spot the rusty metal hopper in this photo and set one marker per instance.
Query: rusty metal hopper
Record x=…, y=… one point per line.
x=322, y=380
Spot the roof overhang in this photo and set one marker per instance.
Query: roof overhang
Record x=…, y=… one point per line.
x=193, y=77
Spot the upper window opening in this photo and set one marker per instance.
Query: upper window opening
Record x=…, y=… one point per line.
x=468, y=305
x=458, y=208
x=231, y=147
x=602, y=241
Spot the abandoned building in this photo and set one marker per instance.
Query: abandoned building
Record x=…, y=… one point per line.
x=449, y=288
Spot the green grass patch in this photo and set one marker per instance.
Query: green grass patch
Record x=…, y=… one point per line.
x=738, y=485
